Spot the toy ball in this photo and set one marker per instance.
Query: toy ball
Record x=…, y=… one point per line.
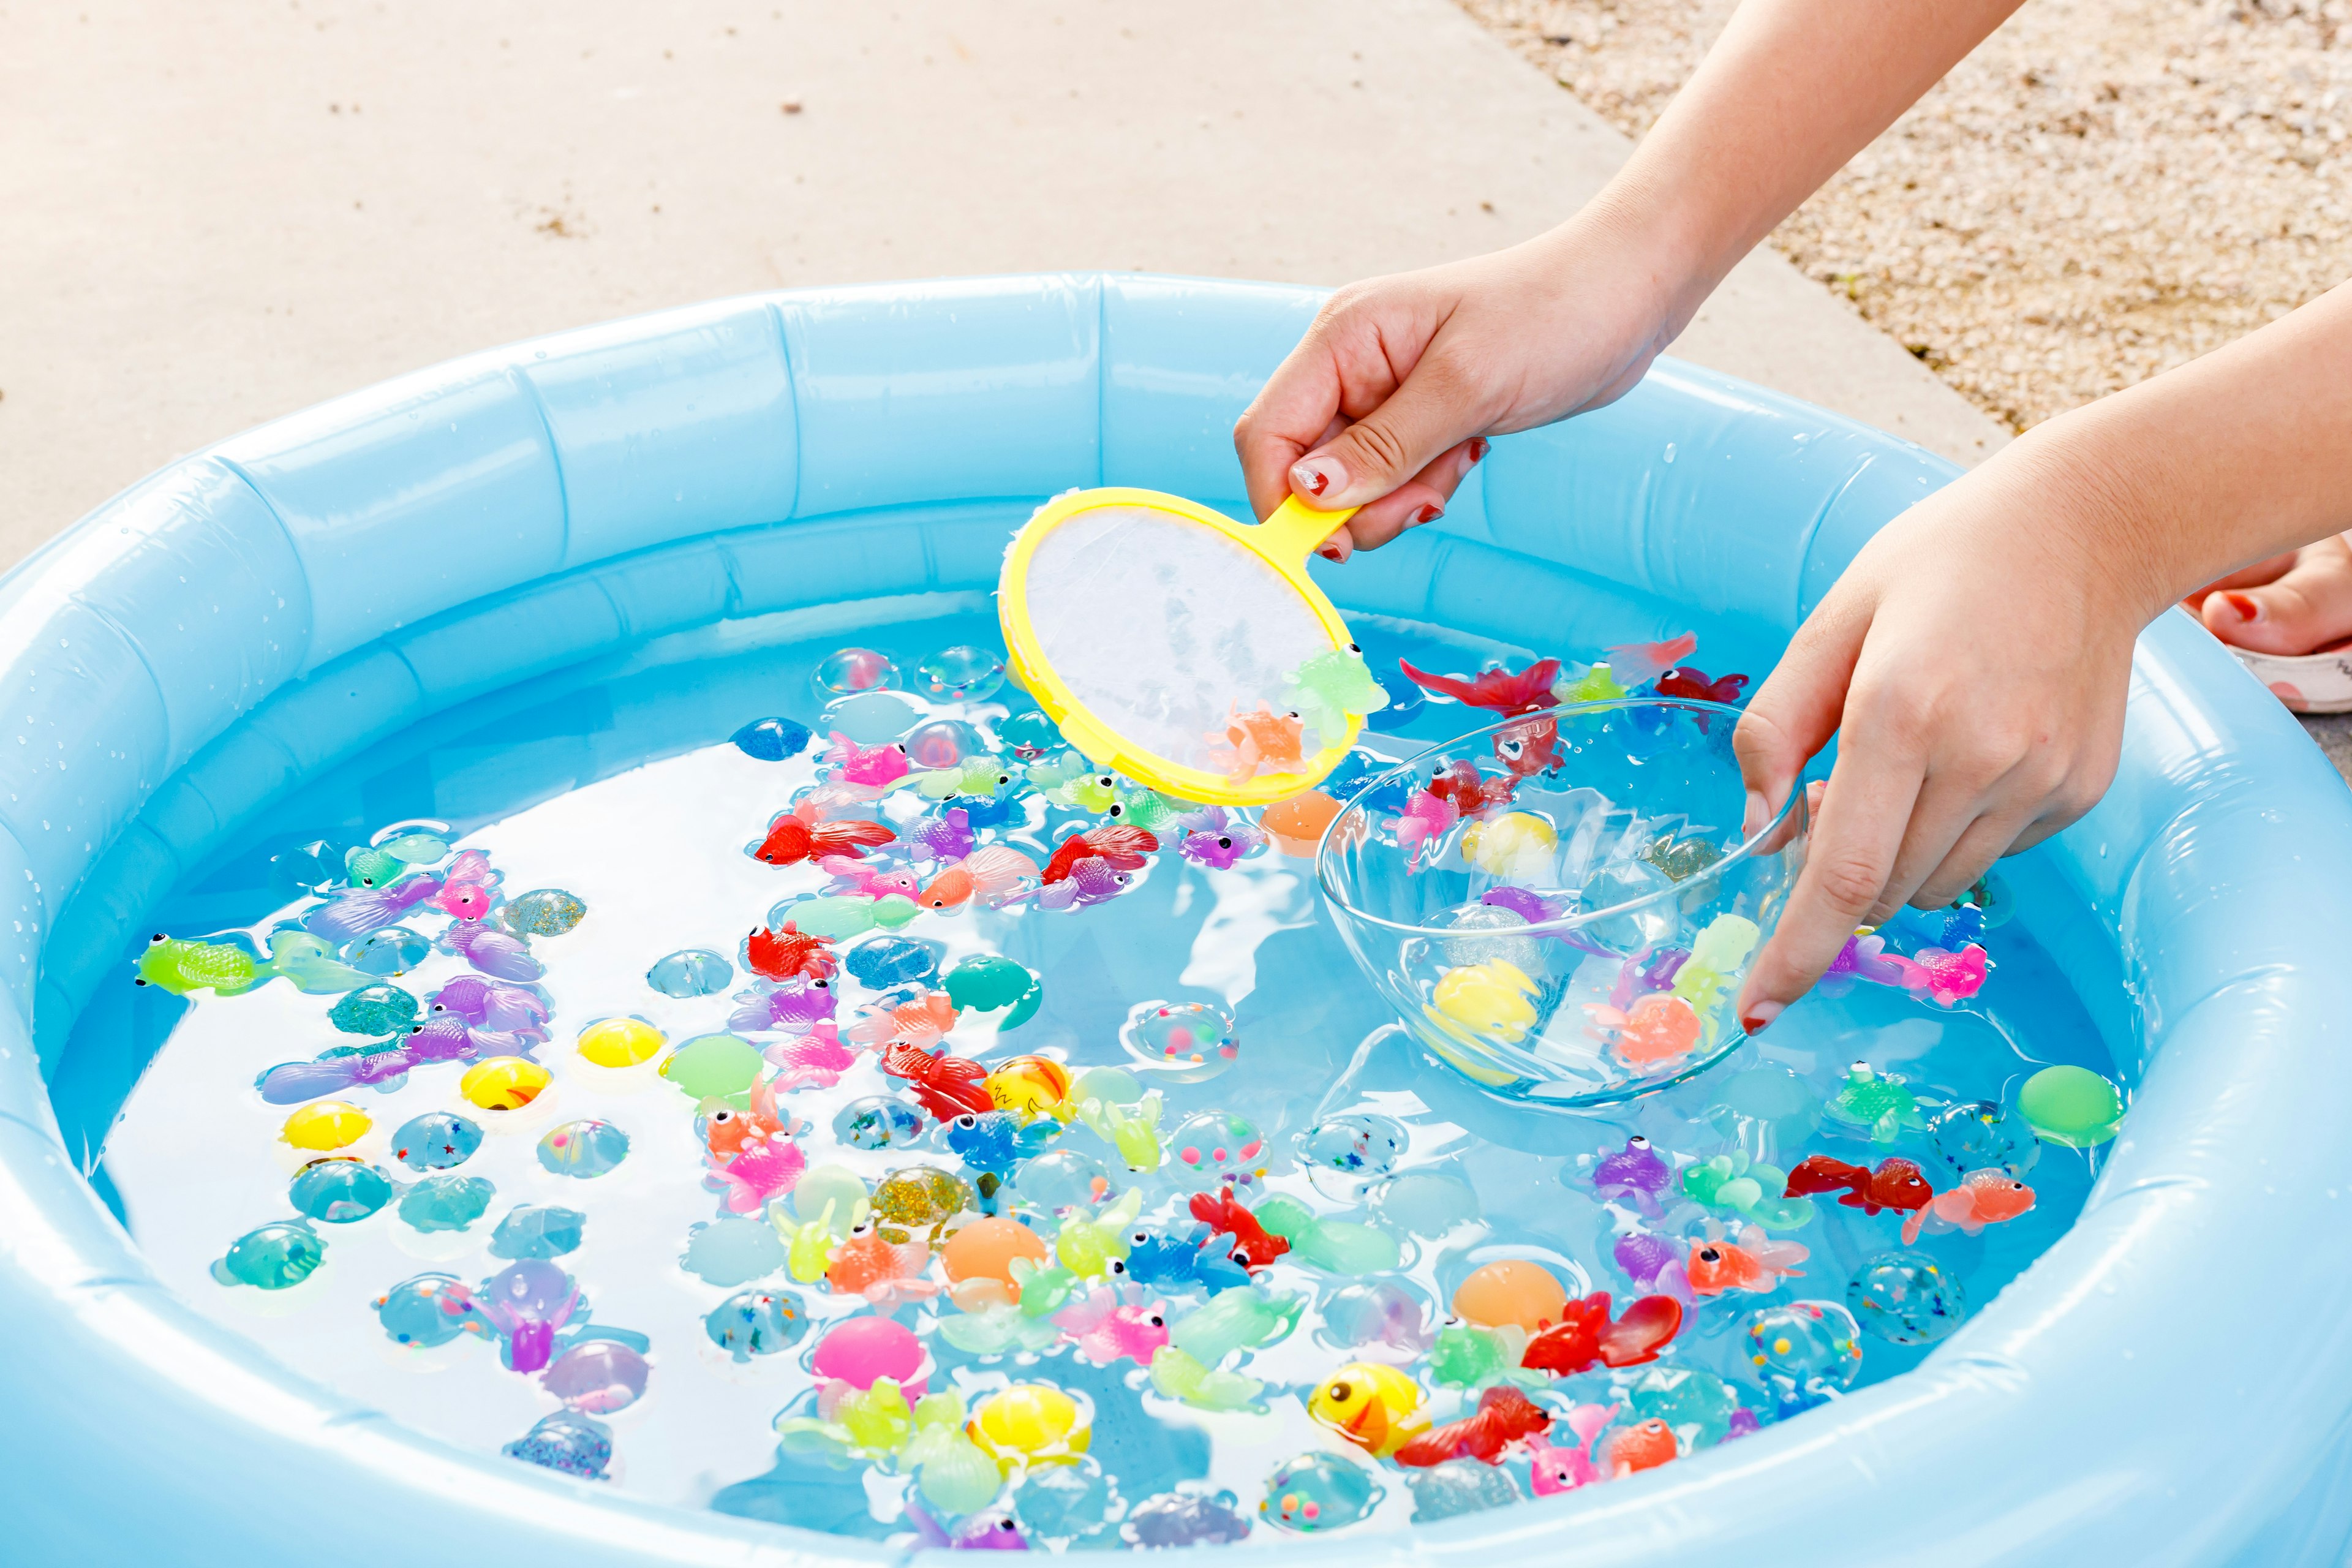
x=504, y=1083
x=1511, y=1290
x=1318, y=1492
x=621, y=1042
x=1031, y=1422
x=985, y=1249
x=1029, y=1085
x=1906, y=1297
x=326, y=1125
x=859, y=1349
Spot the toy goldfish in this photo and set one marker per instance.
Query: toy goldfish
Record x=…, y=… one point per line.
x=1878, y=1105
x=1425, y=819
x=1106, y=1328
x=1596, y=683
x=992, y=1142
x=990, y=875
x=815, y=1060
x=1635, y=1171
x=944, y=835
x=798, y=1006
x=1486, y=1001
x=1638, y=664
x=1659, y=1029
x=1218, y=839
x=1122, y=847
x=1529, y=747
x=1376, y=1408
x=1164, y=1262
x=1946, y=978
x=1553, y=1471
x=1182, y=1377
x=1644, y=1445
x=379, y=865
x=1693, y=686
x=1336, y=1246
x=1585, y=1336
x=1238, y=1319
x=975, y=775
x=1504, y=691
x=803, y=833
x=1138, y=806
x=995, y=1531
x=1328, y=689
x=490, y=1007
x=1247, y=1242
x=727, y=1131
x=1130, y=1124
x=1095, y=792
x=884, y=1272
x=876, y=768
x=1091, y=881
x=921, y=1022
x=1262, y=742
x=468, y=887
x=852, y=879
x=1749, y=1188
x=354, y=914
x=1864, y=957
x=788, y=954
x=1089, y=1245
x=1895, y=1184
x=1653, y=1264
x=491, y=950
x=1982, y=1198
x=838, y=917
x=1469, y=791
x=1752, y=1261
x=1042, y=1288
x=810, y=1244
x=1504, y=1416
x=308, y=964
x=946, y=1085
x=228, y=969
x=762, y=1171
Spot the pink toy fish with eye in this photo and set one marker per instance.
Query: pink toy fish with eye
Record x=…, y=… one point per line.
x=1556, y=1470
x=872, y=767
x=796, y=1005
x=491, y=951
x=469, y=886
x=1639, y=663
x=1944, y=977
x=993, y=875
x=922, y=1022
x=1982, y=1198
x=1217, y=839
x=817, y=1060
x=1107, y=1329
x=1426, y=818
x=855, y=878
x=767, y=1168
x=1754, y=1262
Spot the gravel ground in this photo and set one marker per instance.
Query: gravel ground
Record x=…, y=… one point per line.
x=2105, y=189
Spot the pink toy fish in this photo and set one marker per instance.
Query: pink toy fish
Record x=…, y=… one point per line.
x=1426, y=818
x=1107, y=1329
x=1558, y=1470
x=1982, y=1198
x=1262, y=742
x=766, y=1168
x=357, y=913
x=469, y=887
x=1753, y=1261
x=816, y=1060
x=850, y=877
x=992, y=875
x=873, y=767
x=945, y=837
x=491, y=951
x=1216, y=839
x=1944, y=977
x=796, y=1005
x=921, y=1022
x=1639, y=663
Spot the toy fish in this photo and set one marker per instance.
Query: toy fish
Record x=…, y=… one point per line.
x=1644, y=1445
x=380, y=865
x=1336, y=1246
x=802, y=834
x=1749, y=1188
x=229, y=969
x=1376, y=1408
x=1945, y=978
x=1653, y=1264
x=1138, y=806
x=488, y=1006
x=1107, y=1329
x=1257, y=743
x=981, y=1533
x=1234, y=1320
x=1217, y=839
x=1597, y=683
x=1864, y=957
x=873, y=767
x=1095, y=793
x=1553, y=1471
x=1717, y=957
x=1043, y=1287
x=1658, y=1031
x=1249, y=1243
x=763, y=1170
x=1982, y=1198
x=1090, y=881
x=809, y=1244
x=884, y=1272
x=494, y=951
x=1635, y=1173
x=1166, y=1262
x=816, y=1060
x=946, y=1086
x=851, y=880
x=1489, y=1001
x=1469, y=791
x=799, y=1006
x=1131, y=1127
x=788, y=954
x=998, y=1329
x=994, y=1141
x=1088, y=1246
x=1584, y=1337
x=1122, y=847
x=1504, y=691
x=469, y=887
x=1639, y=663
x=920, y=1022
x=975, y=775
x=1751, y=1261
x=1876, y=1104
x=1328, y=689
x=945, y=836
x=1504, y=1416
x=1895, y=1184
x=1529, y=747
x=1177, y=1376
x=1426, y=818
x=354, y=914
x=1691, y=685
x=990, y=875
x=1463, y=1354
x=289, y=1083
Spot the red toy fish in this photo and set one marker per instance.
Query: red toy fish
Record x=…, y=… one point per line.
x=1694, y=686
x=947, y=1086
x=1123, y=848
x=1507, y=692
x=798, y=835
x=1504, y=1416
x=1895, y=1184
x=1584, y=1335
x=1460, y=785
x=787, y=954
x=1253, y=1247
x=1528, y=747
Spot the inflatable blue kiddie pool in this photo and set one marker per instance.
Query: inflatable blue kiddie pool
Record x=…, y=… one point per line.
x=467, y=596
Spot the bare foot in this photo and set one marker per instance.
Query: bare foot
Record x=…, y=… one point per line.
x=2288, y=604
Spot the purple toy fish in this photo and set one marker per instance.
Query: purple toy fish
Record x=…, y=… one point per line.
x=491, y=951
x=1091, y=881
x=797, y=1008
x=289, y=1083
x=995, y=1531
x=355, y=914
x=1217, y=839
x=1635, y=1171
x=527, y=1303
x=943, y=836
x=449, y=1038
x=1534, y=909
x=498, y=1014
x=1862, y=958
x=1653, y=1264
x=1651, y=969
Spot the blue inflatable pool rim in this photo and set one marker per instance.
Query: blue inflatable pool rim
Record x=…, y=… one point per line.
x=2165, y=1386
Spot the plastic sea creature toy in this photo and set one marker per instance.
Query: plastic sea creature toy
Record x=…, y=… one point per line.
x=1586, y=1337
x=992, y=875
x=338, y=1191
x=1031, y=1424
x=1876, y=1104
x=538, y=1230
x=444, y=1203
x=1122, y=847
x=437, y=1141
x=1374, y=1314
x=948, y=1086
x=495, y=1013
x=1376, y=1408
x=952, y=1472
x=620, y=1042
x=1261, y=742
x=1328, y=689
x=585, y=1149
x=1218, y=839
x=1638, y=664
x=1896, y=1183
x=689, y=972
x=945, y=836
x=1511, y=1290
x=229, y=969
x=1864, y=957
x=1107, y=1328
x=998, y=1328
x=1089, y=1245
x=772, y=740
x=1425, y=820
x=574, y=1445
x=428, y=1310
x=788, y=954
x=355, y=913
x=762, y=1171
x=1691, y=684
x=1652, y=1263
x=1166, y=1263
x=1461, y=785
x=1504, y=1418
x=874, y=768
x=1504, y=691
x=1027, y=1087
x=374, y=1010
x=1213, y=1148
x=864, y=1352
x=527, y=1303
x=1751, y=1261
x=979, y=1259
x=1644, y=1445
x=1117, y=1109
x=984, y=982
x=327, y=1125
x=1144, y=808
x=1635, y=1174
x=1982, y=1198
x=1718, y=957
x=798, y=1005
x=993, y=1531
x=885, y=1272
x=1464, y=1355
x=919, y=1198
x=1319, y=1492
x=1180, y=1377
x=1095, y=793
x=2070, y=1106
x=1486, y=1001
x=1336, y=1246
x=273, y=1257
x=504, y=1083
x=803, y=833
x=1239, y=1319
x=1235, y=1232
x=490, y=950
x=1553, y=1471
x=469, y=887
x=1805, y=1351
x=1749, y=1188
x=815, y=1060
x=1185, y=1519
x=1944, y=978
x=1906, y=1297
x=597, y=1376
x=1516, y=845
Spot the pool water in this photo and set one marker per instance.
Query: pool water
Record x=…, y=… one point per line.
x=616, y=782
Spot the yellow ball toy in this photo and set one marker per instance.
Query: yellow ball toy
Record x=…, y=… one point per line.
x=504, y=1083
x=1031, y=1087
x=1491, y=1001
x=621, y=1042
x=328, y=1124
x=1515, y=845
x=1031, y=1424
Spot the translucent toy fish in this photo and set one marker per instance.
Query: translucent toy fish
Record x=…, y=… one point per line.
x=1146, y=808
x=796, y=1007
x=1328, y=689
x=1464, y=1355
x=1106, y=1326
x=874, y=768
x=230, y=968
x=1090, y=791
x=1180, y=1376
x=1597, y=683
x=1864, y=957
x=815, y=1060
x=952, y=1471
x=1166, y=1262
x=839, y=918
x=1657, y=1031
x=469, y=886
x=979, y=776
x=922, y=1021
x=1555, y=1469
x=789, y=952
x=1718, y=957
x=1751, y=1261
x=1087, y=1245
x=1336, y=1246
x=1878, y=1105
x=1262, y=742
x=1236, y=1319
x=1131, y=1127
x=1091, y=881
x=998, y=1329
x=762, y=1171
x=1043, y=1287
x=1944, y=978
x=1638, y=664
x=945, y=836
x=498, y=1014
x=992, y=875
x=355, y=913
x=1422, y=825
x=853, y=879
x=1748, y=1187
x=809, y=1243
x=495, y=952
x=1217, y=839
x=885, y=1272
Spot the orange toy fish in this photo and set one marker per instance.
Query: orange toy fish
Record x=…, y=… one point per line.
x=1122, y=847
x=787, y=954
x=984, y=874
x=1752, y=1262
x=1504, y=1416
x=918, y=1023
x=1506, y=691
x=947, y=1086
x=1644, y=1445
x=1262, y=742
x=729, y=1131
x=802, y=834
x=1660, y=1028
x=1982, y=1198
x=884, y=1272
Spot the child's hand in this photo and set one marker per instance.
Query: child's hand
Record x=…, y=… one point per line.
x=1385, y=402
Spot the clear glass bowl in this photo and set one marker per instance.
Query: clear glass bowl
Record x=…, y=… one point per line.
x=1577, y=936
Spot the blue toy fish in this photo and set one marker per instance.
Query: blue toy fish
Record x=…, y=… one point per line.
x=1167, y=1263
x=992, y=1142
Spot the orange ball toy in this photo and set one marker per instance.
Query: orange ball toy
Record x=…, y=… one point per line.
x=1511, y=1291
x=985, y=1249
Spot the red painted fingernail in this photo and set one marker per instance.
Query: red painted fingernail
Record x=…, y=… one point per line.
x=1331, y=552
x=2249, y=610
x=1428, y=514
x=1477, y=447
x=1756, y=1019
x=1317, y=476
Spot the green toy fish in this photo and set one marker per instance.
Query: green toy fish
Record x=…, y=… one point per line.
x=230, y=968
x=1180, y=1376
x=1328, y=689
x=1236, y=1318
x=1336, y=1246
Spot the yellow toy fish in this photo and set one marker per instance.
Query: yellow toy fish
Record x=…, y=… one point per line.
x=1376, y=1408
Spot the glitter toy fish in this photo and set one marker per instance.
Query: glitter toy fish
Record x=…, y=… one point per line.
x=1693, y=686
x=946, y=1086
x=766, y=1169
x=1505, y=1416
x=796, y=1006
x=1750, y=1261
x=1169, y=1263
x=1585, y=1337
x=1982, y=1198
x=1504, y=691
x=872, y=767
x=1328, y=689
x=1529, y=747
x=815, y=1060
x=1944, y=978
x=1378, y=1408
x=1553, y=1471
x=469, y=887
x=1638, y=664
x=494, y=951
x=356, y=913
x=787, y=954
x=1877, y=1105
x=1470, y=792
x=1217, y=839
x=1634, y=1173
x=1245, y=1240
x=1179, y=1377
x=1424, y=821
x=992, y=875
x=1895, y=1184
x=1653, y=1264
x=1122, y=847
x=493, y=1009
x=945, y=836
x=803, y=833
x=1107, y=1328
x=1257, y=743
x=885, y=1272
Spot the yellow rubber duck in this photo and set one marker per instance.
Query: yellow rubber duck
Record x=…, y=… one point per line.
x=1376, y=1408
